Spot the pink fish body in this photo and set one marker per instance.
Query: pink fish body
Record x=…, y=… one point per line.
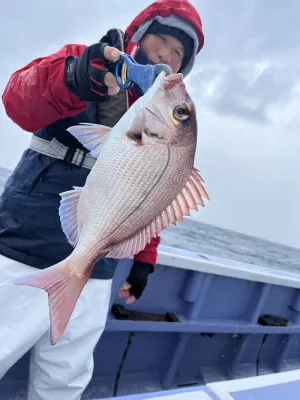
x=143, y=180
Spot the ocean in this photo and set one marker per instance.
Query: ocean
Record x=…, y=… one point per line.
x=211, y=240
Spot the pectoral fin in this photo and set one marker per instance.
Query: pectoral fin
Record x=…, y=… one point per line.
x=92, y=136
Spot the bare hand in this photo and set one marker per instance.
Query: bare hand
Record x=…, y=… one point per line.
x=111, y=54
x=124, y=292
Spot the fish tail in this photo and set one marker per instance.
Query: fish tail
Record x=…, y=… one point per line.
x=64, y=285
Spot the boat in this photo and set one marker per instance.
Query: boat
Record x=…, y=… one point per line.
x=206, y=328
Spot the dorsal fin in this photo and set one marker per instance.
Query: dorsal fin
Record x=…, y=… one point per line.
x=187, y=199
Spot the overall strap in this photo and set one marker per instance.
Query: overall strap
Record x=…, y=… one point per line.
x=55, y=149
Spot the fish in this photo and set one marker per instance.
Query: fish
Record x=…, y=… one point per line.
x=143, y=180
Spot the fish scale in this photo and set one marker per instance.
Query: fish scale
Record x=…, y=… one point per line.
x=119, y=193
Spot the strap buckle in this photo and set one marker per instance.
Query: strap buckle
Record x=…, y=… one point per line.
x=72, y=158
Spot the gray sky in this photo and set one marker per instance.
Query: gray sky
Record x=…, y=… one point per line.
x=245, y=84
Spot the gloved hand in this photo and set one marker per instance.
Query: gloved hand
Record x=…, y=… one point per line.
x=136, y=281
x=87, y=76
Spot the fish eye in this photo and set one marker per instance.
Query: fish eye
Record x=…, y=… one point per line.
x=181, y=112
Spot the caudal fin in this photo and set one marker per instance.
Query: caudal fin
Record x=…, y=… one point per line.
x=63, y=287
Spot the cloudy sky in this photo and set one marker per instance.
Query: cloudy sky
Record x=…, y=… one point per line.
x=246, y=85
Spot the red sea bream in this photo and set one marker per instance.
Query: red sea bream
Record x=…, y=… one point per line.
x=143, y=180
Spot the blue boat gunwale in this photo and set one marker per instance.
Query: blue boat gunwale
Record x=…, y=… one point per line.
x=183, y=259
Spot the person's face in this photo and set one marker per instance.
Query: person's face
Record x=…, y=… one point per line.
x=163, y=49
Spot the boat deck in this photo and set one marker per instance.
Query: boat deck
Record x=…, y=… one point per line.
x=202, y=324
x=281, y=386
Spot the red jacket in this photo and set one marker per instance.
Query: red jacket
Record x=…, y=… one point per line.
x=36, y=95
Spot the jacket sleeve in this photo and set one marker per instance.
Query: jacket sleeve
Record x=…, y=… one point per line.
x=36, y=96
x=149, y=254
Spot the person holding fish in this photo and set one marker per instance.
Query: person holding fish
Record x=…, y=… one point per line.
x=47, y=97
